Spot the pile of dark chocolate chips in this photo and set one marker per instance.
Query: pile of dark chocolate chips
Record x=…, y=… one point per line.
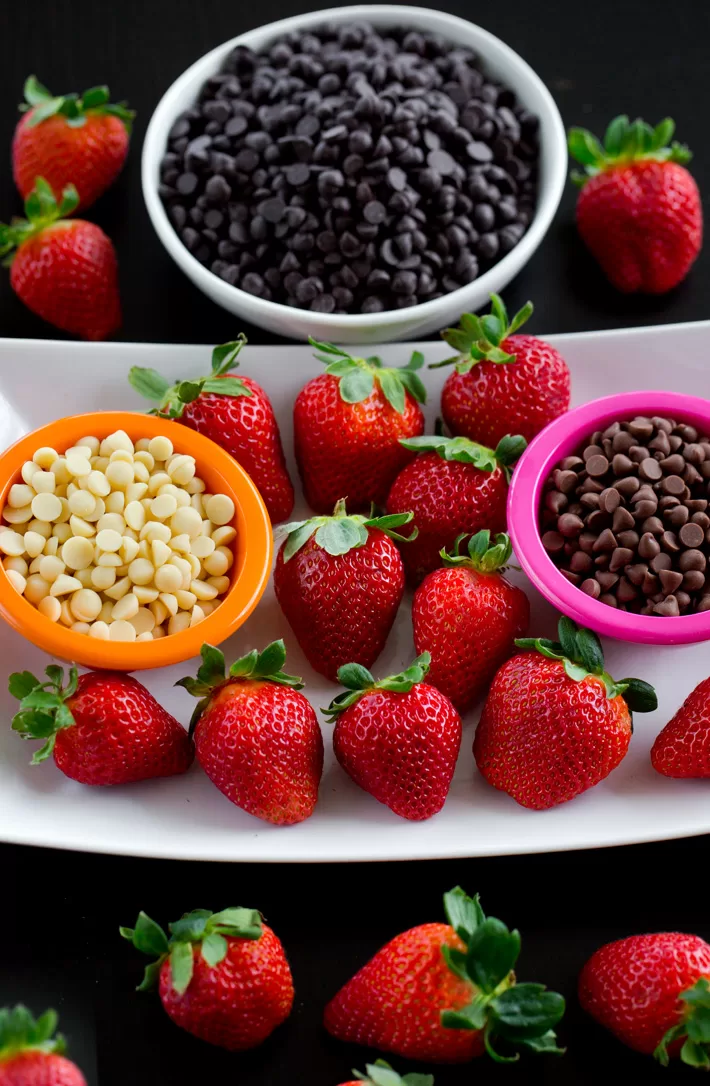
x=627, y=520
x=348, y=171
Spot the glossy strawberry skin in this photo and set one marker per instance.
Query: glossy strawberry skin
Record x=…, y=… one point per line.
x=121, y=734
x=632, y=986
x=68, y=275
x=544, y=738
x=246, y=427
x=341, y=607
x=643, y=222
x=468, y=622
x=33, y=1068
x=401, y=748
x=350, y=451
x=238, y=1003
x=89, y=156
x=261, y=745
x=394, y=1003
x=448, y=499
x=682, y=749
x=494, y=399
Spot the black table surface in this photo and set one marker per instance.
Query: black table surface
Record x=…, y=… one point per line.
x=62, y=910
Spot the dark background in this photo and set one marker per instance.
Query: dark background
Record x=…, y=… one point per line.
x=62, y=910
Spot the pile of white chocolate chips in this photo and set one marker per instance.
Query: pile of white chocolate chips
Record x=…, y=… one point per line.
x=116, y=540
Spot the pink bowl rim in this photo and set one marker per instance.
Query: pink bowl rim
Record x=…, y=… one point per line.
x=560, y=438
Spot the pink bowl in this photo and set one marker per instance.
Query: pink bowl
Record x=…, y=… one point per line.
x=561, y=438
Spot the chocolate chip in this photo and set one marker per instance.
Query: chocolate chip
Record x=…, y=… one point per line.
x=606, y=541
x=609, y=502
x=606, y=580
x=673, y=485
x=623, y=520
x=693, y=581
x=692, y=559
x=637, y=453
x=593, y=450
x=660, y=443
x=649, y=547
x=620, y=465
x=649, y=585
x=670, y=580
x=645, y=508
x=661, y=561
x=628, y=539
x=593, y=588
x=597, y=465
x=649, y=470
x=669, y=607
x=570, y=525
x=625, y=591
x=609, y=600
x=636, y=573
x=553, y=542
x=673, y=465
x=677, y=516
x=620, y=558
x=691, y=535
x=627, y=487
x=580, y=562
x=587, y=541
x=573, y=578
x=641, y=427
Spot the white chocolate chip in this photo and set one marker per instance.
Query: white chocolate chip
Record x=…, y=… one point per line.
x=79, y=526
x=219, y=508
x=51, y=567
x=160, y=552
x=50, y=607
x=12, y=543
x=143, y=621
x=44, y=482
x=45, y=457
x=168, y=578
x=21, y=495
x=186, y=520
x=17, y=516
x=78, y=464
x=178, y=623
x=19, y=565
x=203, y=546
x=78, y=553
x=80, y=627
x=141, y=571
x=160, y=448
x=197, y=615
x=16, y=579
x=46, y=507
x=169, y=599
x=64, y=584
x=186, y=600
x=145, y=593
x=100, y=630
x=161, y=507
x=129, y=548
x=125, y=608
x=82, y=503
x=86, y=605
x=98, y=484
x=108, y=539
x=28, y=469
x=103, y=577
x=36, y=588
x=121, y=631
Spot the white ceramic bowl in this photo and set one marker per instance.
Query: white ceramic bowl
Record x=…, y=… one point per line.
x=418, y=320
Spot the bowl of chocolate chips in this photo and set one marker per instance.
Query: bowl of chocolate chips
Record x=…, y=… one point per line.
x=360, y=174
x=609, y=514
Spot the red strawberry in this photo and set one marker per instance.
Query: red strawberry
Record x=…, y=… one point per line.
x=347, y=426
x=103, y=727
x=446, y=992
x=504, y=383
x=222, y=976
x=235, y=413
x=555, y=723
x=380, y=1073
x=453, y=487
x=31, y=1054
x=340, y=582
x=398, y=738
x=639, y=209
x=70, y=140
x=65, y=271
x=256, y=737
x=652, y=992
x=682, y=749
x=467, y=616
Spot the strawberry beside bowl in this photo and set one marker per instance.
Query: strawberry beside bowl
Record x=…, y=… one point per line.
x=252, y=548
x=567, y=436
x=415, y=320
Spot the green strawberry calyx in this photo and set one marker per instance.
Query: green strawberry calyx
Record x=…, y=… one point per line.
x=43, y=708
x=357, y=376
x=358, y=681
x=504, y=456
x=694, y=1026
x=481, y=555
x=173, y=399
x=263, y=666
x=380, y=1073
x=624, y=142
x=521, y=1016
x=343, y=531
x=209, y=931
x=41, y=211
x=20, y=1031
x=581, y=654
x=74, y=107
x=479, y=339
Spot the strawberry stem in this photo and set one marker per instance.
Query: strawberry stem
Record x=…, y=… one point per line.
x=42, y=210
x=357, y=376
x=694, y=1026
x=480, y=556
x=479, y=339
x=75, y=108
x=380, y=1073
x=21, y=1032
x=173, y=399
x=43, y=708
x=624, y=142
x=505, y=454
x=197, y=928
x=358, y=681
x=522, y=1016
x=342, y=532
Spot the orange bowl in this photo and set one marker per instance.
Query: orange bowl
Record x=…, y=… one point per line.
x=253, y=546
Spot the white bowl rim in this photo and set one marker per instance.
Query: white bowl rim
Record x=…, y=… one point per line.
x=163, y=117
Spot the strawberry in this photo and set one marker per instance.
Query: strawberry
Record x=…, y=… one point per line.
x=70, y=140
x=347, y=426
x=467, y=617
x=235, y=413
x=682, y=749
x=102, y=727
x=380, y=1073
x=221, y=976
x=652, y=992
x=256, y=737
x=64, y=271
x=454, y=486
x=31, y=1054
x=555, y=723
x=398, y=738
x=339, y=581
x=639, y=210
x=503, y=383
x=446, y=993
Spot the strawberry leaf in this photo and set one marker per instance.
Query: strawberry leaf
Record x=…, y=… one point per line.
x=339, y=535
x=214, y=949
x=356, y=385
x=181, y=966
x=355, y=677
x=35, y=93
x=464, y=913
x=393, y=390
x=148, y=383
x=492, y=953
x=147, y=936
x=22, y=683
x=20, y=1031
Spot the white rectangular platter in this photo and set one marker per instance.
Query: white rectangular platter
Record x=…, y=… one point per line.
x=186, y=817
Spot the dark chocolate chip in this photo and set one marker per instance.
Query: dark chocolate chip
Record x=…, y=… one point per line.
x=649, y=470
x=553, y=542
x=669, y=607
x=606, y=541
x=673, y=485
x=592, y=588
x=691, y=535
x=597, y=465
